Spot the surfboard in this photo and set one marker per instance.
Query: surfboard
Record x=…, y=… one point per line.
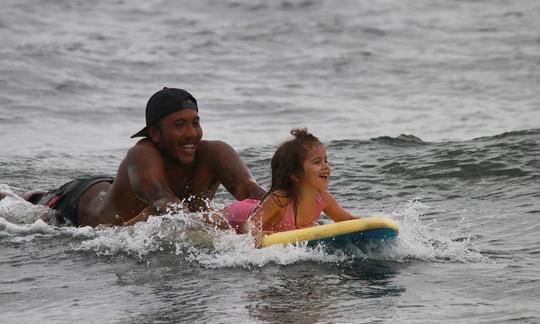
x=358, y=232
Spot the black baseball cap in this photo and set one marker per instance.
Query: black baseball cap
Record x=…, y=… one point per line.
x=164, y=102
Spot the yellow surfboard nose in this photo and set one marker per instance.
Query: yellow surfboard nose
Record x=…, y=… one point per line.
x=355, y=226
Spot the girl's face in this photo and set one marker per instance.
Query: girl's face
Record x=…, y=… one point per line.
x=316, y=169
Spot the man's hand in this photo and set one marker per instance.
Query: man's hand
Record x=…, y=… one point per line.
x=143, y=216
x=216, y=218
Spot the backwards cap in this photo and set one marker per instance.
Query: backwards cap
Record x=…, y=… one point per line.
x=163, y=103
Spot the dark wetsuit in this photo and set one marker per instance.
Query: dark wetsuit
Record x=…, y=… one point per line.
x=65, y=200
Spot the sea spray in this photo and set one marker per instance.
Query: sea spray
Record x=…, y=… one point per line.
x=157, y=234
x=427, y=241
x=186, y=237
x=17, y=210
x=233, y=250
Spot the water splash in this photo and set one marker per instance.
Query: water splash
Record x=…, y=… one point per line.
x=15, y=209
x=186, y=237
x=232, y=250
x=191, y=240
x=427, y=241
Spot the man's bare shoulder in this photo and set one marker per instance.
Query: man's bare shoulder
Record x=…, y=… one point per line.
x=215, y=149
x=143, y=147
x=143, y=144
x=213, y=145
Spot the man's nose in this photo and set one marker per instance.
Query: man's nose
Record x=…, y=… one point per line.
x=191, y=131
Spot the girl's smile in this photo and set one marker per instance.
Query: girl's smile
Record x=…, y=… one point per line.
x=316, y=170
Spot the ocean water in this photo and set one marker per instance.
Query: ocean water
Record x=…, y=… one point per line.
x=430, y=113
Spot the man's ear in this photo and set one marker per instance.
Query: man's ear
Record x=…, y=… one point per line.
x=154, y=134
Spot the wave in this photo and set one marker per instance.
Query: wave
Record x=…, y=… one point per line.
x=404, y=139
x=186, y=238
x=508, y=155
x=513, y=134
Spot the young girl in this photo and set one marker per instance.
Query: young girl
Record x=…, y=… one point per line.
x=298, y=193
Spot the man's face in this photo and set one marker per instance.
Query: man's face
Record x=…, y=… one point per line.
x=178, y=135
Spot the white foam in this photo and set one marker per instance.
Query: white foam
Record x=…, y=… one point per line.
x=428, y=241
x=232, y=250
x=186, y=236
x=21, y=220
x=17, y=210
x=191, y=240
x=38, y=227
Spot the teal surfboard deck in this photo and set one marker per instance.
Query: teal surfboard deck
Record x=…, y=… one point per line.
x=362, y=239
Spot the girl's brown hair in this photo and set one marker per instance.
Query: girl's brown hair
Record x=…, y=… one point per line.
x=288, y=161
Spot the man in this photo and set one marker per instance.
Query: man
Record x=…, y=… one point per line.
x=170, y=166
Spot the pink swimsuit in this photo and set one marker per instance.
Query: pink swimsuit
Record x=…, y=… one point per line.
x=239, y=212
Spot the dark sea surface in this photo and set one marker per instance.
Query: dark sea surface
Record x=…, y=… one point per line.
x=430, y=111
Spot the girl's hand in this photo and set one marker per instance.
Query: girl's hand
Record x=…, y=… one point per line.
x=259, y=237
x=258, y=240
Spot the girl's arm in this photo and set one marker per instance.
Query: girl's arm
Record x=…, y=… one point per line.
x=266, y=213
x=333, y=209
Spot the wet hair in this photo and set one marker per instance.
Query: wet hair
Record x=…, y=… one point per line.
x=288, y=162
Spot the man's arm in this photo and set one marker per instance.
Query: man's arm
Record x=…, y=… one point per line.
x=232, y=173
x=148, y=178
